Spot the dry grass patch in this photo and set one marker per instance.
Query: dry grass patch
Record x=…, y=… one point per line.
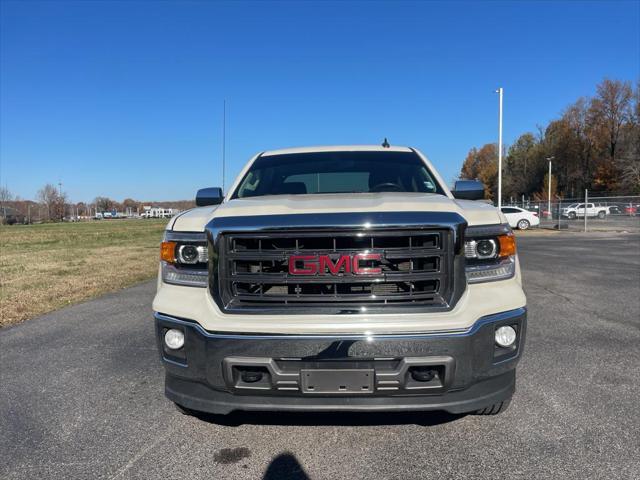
x=45, y=267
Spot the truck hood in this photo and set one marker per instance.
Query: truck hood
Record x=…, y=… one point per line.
x=476, y=213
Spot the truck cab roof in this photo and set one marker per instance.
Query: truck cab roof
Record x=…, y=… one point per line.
x=337, y=148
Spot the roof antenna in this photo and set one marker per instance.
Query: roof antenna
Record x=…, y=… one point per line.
x=385, y=144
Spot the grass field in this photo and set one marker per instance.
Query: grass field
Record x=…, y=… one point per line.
x=45, y=267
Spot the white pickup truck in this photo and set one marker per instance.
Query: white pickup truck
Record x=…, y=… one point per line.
x=576, y=210
x=340, y=279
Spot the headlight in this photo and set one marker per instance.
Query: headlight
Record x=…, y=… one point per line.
x=481, y=249
x=184, y=258
x=192, y=254
x=490, y=253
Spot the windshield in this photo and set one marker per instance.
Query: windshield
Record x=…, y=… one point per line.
x=337, y=172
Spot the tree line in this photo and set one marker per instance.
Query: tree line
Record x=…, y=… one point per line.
x=52, y=205
x=595, y=145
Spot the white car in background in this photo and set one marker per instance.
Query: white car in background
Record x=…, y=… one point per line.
x=520, y=218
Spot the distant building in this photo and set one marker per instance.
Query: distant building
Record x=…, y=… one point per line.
x=158, y=212
x=9, y=215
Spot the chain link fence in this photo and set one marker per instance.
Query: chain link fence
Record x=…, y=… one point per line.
x=612, y=213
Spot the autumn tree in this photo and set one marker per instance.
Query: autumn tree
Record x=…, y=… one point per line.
x=543, y=193
x=612, y=109
x=629, y=159
x=595, y=144
x=129, y=203
x=482, y=165
x=524, y=167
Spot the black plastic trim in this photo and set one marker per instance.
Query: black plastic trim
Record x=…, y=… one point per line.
x=471, y=372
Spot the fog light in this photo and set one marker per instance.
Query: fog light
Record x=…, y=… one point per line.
x=174, y=339
x=505, y=336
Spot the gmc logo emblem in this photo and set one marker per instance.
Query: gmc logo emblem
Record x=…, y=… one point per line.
x=323, y=265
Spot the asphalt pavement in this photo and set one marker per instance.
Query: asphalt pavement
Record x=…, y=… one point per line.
x=81, y=395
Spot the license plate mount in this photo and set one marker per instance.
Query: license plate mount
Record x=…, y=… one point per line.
x=337, y=381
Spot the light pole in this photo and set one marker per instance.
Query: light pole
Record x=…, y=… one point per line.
x=549, y=189
x=224, y=141
x=499, y=92
x=60, y=200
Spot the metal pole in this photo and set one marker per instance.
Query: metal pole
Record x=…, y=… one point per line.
x=586, y=198
x=559, y=212
x=500, y=151
x=550, y=189
x=224, y=136
x=60, y=200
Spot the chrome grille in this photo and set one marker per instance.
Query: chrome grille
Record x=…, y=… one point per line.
x=415, y=269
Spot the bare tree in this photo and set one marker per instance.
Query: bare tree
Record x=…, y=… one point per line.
x=5, y=195
x=612, y=108
x=103, y=204
x=631, y=175
x=630, y=147
x=53, y=200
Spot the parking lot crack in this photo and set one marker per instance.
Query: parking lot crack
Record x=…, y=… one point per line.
x=139, y=455
x=564, y=297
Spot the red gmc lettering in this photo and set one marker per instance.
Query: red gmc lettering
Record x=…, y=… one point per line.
x=307, y=268
x=358, y=270
x=334, y=269
x=323, y=265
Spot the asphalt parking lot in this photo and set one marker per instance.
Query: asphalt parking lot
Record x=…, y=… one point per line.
x=81, y=394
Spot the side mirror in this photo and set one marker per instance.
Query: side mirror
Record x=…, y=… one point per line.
x=209, y=196
x=468, y=190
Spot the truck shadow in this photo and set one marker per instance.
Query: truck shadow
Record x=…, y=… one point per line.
x=285, y=467
x=347, y=419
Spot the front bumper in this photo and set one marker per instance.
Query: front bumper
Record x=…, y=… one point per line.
x=469, y=371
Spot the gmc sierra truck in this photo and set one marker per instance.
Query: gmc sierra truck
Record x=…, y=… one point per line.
x=576, y=210
x=340, y=279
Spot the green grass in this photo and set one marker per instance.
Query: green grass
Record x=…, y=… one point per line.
x=44, y=267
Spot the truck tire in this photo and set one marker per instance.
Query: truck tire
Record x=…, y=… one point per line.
x=494, y=409
x=523, y=224
x=601, y=215
x=572, y=215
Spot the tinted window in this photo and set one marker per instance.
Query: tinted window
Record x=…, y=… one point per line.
x=510, y=210
x=337, y=172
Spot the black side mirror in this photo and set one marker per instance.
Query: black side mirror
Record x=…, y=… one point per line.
x=209, y=196
x=468, y=190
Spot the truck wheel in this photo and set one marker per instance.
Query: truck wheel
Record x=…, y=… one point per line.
x=572, y=215
x=494, y=409
x=523, y=224
x=601, y=215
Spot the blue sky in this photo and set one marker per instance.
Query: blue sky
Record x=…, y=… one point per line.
x=124, y=99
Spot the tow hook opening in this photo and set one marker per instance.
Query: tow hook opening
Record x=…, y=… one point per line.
x=252, y=377
x=425, y=377
x=423, y=374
